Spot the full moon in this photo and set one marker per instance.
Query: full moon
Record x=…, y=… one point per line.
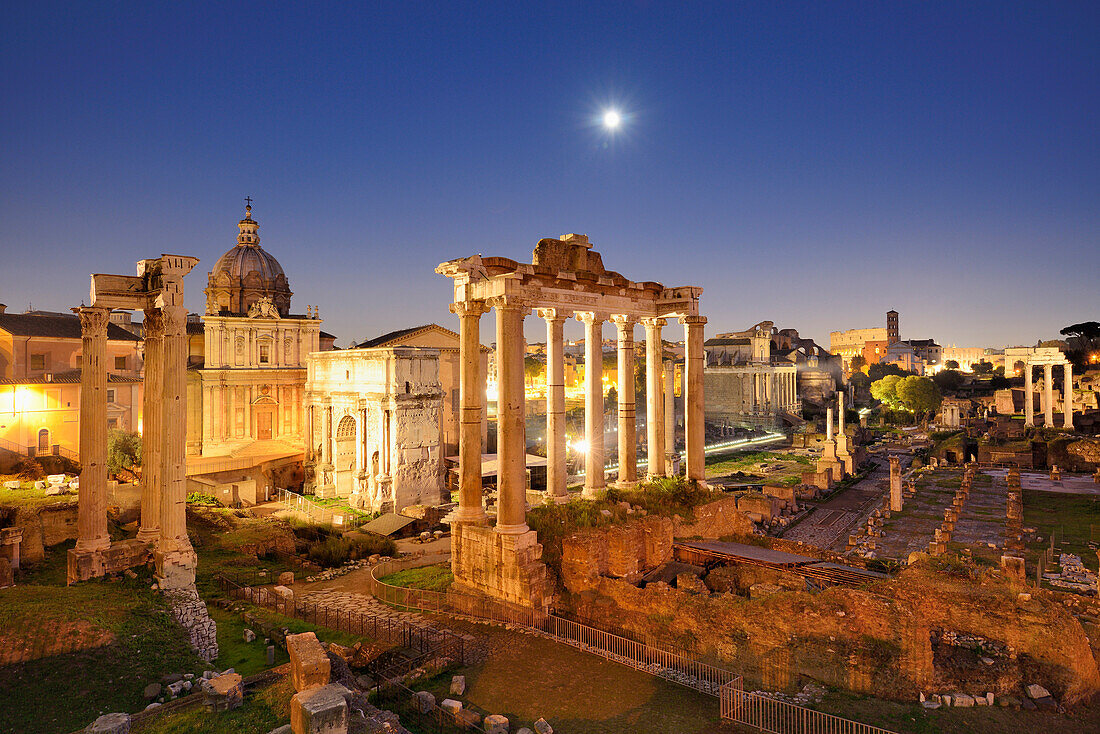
x=611, y=119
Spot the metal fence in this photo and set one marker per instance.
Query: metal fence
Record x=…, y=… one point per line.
x=779, y=717
x=340, y=519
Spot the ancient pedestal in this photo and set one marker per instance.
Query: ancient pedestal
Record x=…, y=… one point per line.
x=504, y=566
x=897, y=501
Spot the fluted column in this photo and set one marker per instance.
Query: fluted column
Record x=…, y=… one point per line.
x=471, y=386
x=152, y=430
x=840, y=411
x=594, y=480
x=309, y=432
x=511, y=436
x=628, y=426
x=654, y=403
x=557, y=474
x=173, y=516
x=1029, y=396
x=326, y=437
x=670, y=416
x=1048, y=396
x=694, y=430
x=92, y=509
x=828, y=424
x=1067, y=396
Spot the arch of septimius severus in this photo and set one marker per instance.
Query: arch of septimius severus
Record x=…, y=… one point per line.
x=566, y=278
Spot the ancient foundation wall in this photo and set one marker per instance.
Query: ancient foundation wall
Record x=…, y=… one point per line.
x=506, y=567
x=89, y=564
x=45, y=526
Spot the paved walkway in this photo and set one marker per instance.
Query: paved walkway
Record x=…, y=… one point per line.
x=830, y=522
x=1034, y=481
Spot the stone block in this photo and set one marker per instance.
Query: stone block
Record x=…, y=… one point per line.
x=222, y=693
x=1036, y=691
x=7, y=575
x=249, y=635
x=451, y=706
x=1013, y=568
x=151, y=691
x=543, y=727
x=468, y=719
x=495, y=724
x=424, y=701
x=110, y=724
x=458, y=685
x=270, y=654
x=13, y=484
x=320, y=710
x=309, y=665
x=284, y=592
x=286, y=578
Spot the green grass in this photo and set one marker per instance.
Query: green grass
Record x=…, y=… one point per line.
x=28, y=496
x=432, y=578
x=1073, y=520
x=262, y=711
x=247, y=658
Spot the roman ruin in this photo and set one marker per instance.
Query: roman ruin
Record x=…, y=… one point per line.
x=566, y=277
x=1048, y=358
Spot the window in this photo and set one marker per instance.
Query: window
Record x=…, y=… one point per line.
x=110, y=396
x=112, y=423
x=120, y=363
x=265, y=354
x=79, y=361
x=38, y=361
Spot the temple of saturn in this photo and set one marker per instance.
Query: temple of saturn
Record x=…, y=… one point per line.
x=1049, y=358
x=566, y=278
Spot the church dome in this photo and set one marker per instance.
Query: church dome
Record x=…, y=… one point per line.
x=246, y=274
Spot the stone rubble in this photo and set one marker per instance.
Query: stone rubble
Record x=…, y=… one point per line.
x=190, y=611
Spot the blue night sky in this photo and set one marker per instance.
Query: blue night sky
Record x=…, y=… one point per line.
x=813, y=164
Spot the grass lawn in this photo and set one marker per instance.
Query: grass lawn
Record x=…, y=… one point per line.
x=27, y=495
x=432, y=578
x=1073, y=520
x=262, y=711
x=526, y=678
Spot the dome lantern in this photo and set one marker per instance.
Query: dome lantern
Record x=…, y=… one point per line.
x=246, y=274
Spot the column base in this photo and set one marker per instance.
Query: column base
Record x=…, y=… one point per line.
x=148, y=535
x=503, y=566
x=92, y=545
x=519, y=529
x=625, y=485
x=593, y=493
x=471, y=516
x=558, y=499
x=175, y=569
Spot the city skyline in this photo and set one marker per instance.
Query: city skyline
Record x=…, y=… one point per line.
x=812, y=168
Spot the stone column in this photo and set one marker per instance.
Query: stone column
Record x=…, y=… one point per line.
x=594, y=480
x=670, y=416
x=828, y=424
x=556, y=473
x=1067, y=396
x=841, y=409
x=326, y=436
x=248, y=397
x=654, y=400
x=511, y=437
x=1048, y=396
x=175, y=556
x=628, y=426
x=472, y=399
x=92, y=508
x=309, y=433
x=231, y=416
x=897, y=500
x=152, y=428
x=694, y=431
x=1029, y=396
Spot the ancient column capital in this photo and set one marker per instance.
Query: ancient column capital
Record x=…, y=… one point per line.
x=552, y=314
x=509, y=303
x=153, y=326
x=651, y=323
x=469, y=308
x=590, y=317
x=693, y=320
x=93, y=320
x=623, y=322
x=175, y=320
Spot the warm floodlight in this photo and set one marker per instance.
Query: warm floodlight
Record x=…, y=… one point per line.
x=612, y=119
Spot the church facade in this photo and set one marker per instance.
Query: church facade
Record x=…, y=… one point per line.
x=248, y=386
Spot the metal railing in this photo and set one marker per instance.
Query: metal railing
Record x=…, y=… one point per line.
x=316, y=513
x=779, y=717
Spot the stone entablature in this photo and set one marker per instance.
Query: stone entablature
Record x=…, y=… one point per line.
x=373, y=418
x=1048, y=358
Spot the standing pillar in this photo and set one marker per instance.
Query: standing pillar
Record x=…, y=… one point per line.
x=556, y=473
x=840, y=413
x=628, y=426
x=594, y=480
x=152, y=427
x=511, y=437
x=1048, y=396
x=653, y=398
x=1067, y=396
x=670, y=417
x=694, y=430
x=326, y=437
x=92, y=509
x=828, y=424
x=175, y=558
x=1029, y=396
x=308, y=437
x=897, y=500
x=472, y=399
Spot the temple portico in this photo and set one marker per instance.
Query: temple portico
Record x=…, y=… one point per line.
x=1048, y=358
x=566, y=279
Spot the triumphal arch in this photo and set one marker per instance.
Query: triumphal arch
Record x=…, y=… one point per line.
x=565, y=279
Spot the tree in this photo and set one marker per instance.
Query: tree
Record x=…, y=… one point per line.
x=951, y=364
x=948, y=380
x=878, y=371
x=611, y=399
x=919, y=395
x=858, y=363
x=984, y=367
x=123, y=451
x=533, y=369
x=1086, y=330
x=885, y=391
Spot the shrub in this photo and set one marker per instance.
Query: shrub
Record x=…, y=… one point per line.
x=202, y=500
x=336, y=550
x=30, y=470
x=123, y=451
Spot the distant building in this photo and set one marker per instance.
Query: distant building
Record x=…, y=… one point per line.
x=968, y=357
x=904, y=356
x=40, y=367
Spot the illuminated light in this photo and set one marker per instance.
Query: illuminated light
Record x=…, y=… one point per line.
x=580, y=446
x=612, y=119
